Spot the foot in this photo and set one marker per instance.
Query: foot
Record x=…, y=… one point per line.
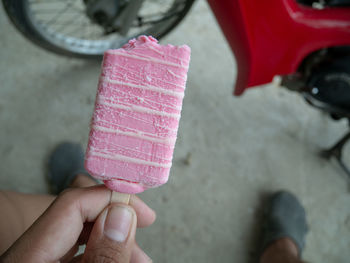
x=66, y=162
x=281, y=250
x=285, y=225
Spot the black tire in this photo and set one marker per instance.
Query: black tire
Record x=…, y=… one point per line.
x=16, y=11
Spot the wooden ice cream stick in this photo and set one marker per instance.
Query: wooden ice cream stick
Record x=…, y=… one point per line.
x=117, y=197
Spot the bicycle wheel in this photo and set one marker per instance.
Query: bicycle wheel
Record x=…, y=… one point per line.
x=64, y=27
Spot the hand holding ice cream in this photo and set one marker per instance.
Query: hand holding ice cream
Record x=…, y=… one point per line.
x=84, y=216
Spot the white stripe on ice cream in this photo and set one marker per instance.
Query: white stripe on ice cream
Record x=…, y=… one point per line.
x=118, y=53
x=161, y=53
x=153, y=76
x=145, y=100
x=127, y=159
x=177, y=94
x=117, y=145
x=102, y=101
x=99, y=120
x=168, y=141
x=176, y=75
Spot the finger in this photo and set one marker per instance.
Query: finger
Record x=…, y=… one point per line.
x=112, y=238
x=59, y=228
x=139, y=256
x=145, y=215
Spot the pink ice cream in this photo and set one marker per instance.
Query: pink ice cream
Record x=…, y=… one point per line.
x=137, y=113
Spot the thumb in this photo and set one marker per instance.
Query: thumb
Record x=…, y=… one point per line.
x=113, y=235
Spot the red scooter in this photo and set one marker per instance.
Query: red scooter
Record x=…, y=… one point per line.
x=305, y=44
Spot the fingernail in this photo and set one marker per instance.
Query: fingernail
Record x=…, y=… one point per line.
x=117, y=224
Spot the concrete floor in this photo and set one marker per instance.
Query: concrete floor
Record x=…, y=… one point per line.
x=240, y=148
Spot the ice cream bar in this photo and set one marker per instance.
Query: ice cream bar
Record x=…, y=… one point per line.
x=137, y=112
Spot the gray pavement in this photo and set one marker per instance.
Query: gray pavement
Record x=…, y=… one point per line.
x=231, y=152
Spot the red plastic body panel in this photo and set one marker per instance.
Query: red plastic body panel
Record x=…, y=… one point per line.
x=273, y=38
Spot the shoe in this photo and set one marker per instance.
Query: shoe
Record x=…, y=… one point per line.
x=65, y=163
x=285, y=217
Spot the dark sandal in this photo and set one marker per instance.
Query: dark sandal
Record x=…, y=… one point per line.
x=285, y=217
x=65, y=162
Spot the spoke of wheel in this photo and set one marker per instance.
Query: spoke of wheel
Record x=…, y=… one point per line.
x=59, y=14
x=71, y=33
x=84, y=30
x=77, y=7
x=71, y=21
x=61, y=23
x=46, y=2
x=98, y=34
x=92, y=30
x=50, y=11
x=166, y=17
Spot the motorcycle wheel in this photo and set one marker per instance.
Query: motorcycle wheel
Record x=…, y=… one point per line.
x=64, y=28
